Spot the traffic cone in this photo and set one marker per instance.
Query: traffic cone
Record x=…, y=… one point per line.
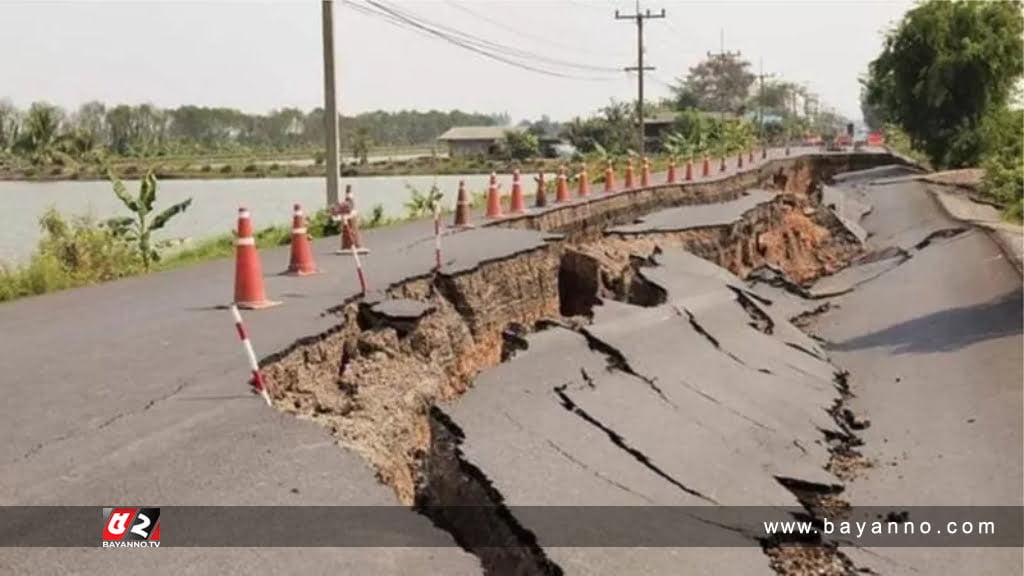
x=542, y=194
x=609, y=178
x=706, y=168
x=516, y=206
x=561, y=187
x=689, y=169
x=672, y=171
x=249, y=293
x=463, y=207
x=645, y=173
x=493, y=199
x=739, y=160
x=584, y=188
x=345, y=213
x=629, y=174
x=301, y=262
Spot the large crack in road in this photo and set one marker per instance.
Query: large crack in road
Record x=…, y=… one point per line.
x=376, y=381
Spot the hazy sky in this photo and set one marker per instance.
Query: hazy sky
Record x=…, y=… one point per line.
x=262, y=55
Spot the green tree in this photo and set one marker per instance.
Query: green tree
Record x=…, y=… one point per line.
x=139, y=227
x=720, y=83
x=521, y=144
x=943, y=69
x=38, y=137
x=361, y=146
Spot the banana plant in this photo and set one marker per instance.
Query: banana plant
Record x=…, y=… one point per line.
x=422, y=204
x=138, y=228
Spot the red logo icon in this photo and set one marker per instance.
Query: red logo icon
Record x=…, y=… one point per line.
x=131, y=527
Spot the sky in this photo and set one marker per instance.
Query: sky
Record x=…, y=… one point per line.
x=257, y=56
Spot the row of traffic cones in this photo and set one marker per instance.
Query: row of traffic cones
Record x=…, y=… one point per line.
x=249, y=291
x=517, y=204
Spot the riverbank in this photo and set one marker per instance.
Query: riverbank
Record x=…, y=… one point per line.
x=223, y=170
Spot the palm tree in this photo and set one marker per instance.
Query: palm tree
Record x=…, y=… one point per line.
x=38, y=136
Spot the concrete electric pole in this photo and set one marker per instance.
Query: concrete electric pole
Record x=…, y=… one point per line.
x=760, y=101
x=640, y=68
x=722, y=55
x=330, y=103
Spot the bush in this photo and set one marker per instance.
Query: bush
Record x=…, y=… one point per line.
x=206, y=168
x=225, y=169
x=70, y=253
x=320, y=224
x=250, y=168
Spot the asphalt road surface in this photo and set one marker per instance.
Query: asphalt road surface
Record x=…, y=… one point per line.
x=133, y=393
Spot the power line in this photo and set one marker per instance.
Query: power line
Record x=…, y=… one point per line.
x=507, y=28
x=722, y=55
x=488, y=49
x=640, y=68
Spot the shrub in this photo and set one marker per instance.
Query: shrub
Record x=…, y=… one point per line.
x=250, y=168
x=206, y=168
x=70, y=253
x=225, y=169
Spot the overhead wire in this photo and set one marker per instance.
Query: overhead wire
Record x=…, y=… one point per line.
x=525, y=34
x=486, y=48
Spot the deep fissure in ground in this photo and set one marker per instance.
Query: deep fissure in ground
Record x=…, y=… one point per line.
x=376, y=381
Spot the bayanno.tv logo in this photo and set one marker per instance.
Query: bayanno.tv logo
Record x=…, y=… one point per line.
x=131, y=527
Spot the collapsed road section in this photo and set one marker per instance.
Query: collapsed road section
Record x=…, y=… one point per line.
x=622, y=360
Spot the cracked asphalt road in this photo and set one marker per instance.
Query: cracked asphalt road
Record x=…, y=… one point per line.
x=97, y=410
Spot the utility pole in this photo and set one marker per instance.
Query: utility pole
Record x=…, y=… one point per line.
x=760, y=101
x=722, y=55
x=330, y=102
x=640, y=68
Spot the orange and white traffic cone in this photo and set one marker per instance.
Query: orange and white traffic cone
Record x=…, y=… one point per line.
x=629, y=174
x=561, y=187
x=493, y=199
x=346, y=214
x=689, y=170
x=541, y=199
x=584, y=187
x=517, y=206
x=645, y=173
x=609, y=178
x=463, y=207
x=672, y=171
x=301, y=261
x=705, y=170
x=249, y=292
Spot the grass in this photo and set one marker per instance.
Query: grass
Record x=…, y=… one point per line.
x=81, y=252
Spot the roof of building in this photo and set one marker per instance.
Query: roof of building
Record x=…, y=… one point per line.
x=478, y=132
x=661, y=118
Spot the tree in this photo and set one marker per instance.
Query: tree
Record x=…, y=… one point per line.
x=38, y=136
x=139, y=227
x=872, y=114
x=521, y=144
x=721, y=83
x=614, y=130
x=943, y=69
x=10, y=123
x=361, y=146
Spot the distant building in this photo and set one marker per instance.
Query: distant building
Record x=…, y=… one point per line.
x=486, y=141
x=656, y=127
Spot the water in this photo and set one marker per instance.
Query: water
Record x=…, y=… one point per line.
x=215, y=203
